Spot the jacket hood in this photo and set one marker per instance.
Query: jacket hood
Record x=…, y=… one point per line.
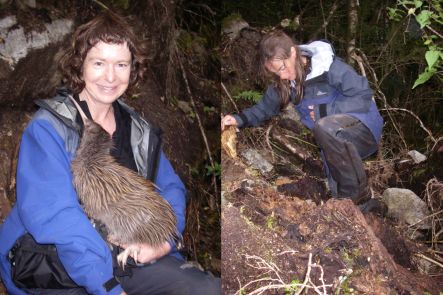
x=322, y=56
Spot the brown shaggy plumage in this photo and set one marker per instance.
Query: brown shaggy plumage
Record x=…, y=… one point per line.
x=126, y=203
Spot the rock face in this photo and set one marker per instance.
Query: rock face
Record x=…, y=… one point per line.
x=406, y=206
x=29, y=53
x=232, y=25
x=17, y=43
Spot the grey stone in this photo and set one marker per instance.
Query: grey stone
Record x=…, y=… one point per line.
x=417, y=157
x=233, y=27
x=257, y=161
x=406, y=206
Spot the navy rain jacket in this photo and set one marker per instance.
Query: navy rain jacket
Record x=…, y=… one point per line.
x=331, y=82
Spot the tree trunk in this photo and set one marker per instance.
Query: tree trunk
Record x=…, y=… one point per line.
x=352, y=29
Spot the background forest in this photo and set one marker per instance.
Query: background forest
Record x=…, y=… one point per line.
x=393, y=42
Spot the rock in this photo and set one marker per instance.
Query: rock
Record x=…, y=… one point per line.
x=233, y=24
x=406, y=206
x=184, y=106
x=285, y=22
x=417, y=157
x=17, y=43
x=257, y=161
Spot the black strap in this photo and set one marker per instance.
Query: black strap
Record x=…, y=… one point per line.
x=83, y=104
x=110, y=284
x=322, y=108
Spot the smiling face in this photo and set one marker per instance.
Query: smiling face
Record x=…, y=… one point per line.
x=284, y=68
x=106, y=72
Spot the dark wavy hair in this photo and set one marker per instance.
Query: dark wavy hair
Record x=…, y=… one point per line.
x=109, y=28
x=277, y=45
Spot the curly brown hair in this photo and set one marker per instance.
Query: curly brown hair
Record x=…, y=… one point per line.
x=109, y=28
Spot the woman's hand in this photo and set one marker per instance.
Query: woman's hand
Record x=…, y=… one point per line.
x=228, y=120
x=148, y=254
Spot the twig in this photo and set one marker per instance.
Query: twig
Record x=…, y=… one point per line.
x=380, y=92
x=429, y=259
x=268, y=142
x=416, y=117
x=288, y=251
x=431, y=215
x=200, y=125
x=325, y=22
x=436, y=142
x=301, y=140
x=298, y=151
x=278, y=283
x=101, y=4
x=308, y=272
x=229, y=96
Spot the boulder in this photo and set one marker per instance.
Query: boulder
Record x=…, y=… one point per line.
x=406, y=206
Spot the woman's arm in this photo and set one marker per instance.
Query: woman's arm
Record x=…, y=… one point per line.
x=266, y=108
x=173, y=190
x=50, y=211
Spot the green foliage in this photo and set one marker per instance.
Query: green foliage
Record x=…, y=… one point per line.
x=429, y=15
x=293, y=288
x=216, y=170
x=190, y=42
x=271, y=221
x=233, y=17
x=395, y=13
x=250, y=95
x=208, y=110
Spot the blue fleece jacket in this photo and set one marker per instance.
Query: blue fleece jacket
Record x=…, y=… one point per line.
x=48, y=208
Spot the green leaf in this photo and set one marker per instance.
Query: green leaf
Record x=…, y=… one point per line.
x=394, y=13
x=432, y=57
x=423, y=18
x=418, y=4
x=250, y=95
x=423, y=77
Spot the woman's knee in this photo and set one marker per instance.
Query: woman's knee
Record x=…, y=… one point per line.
x=209, y=285
x=324, y=130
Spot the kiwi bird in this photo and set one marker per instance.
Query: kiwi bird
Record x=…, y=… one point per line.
x=127, y=204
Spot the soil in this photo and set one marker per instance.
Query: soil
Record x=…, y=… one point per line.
x=269, y=231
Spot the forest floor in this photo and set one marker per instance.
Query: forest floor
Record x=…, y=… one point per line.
x=282, y=232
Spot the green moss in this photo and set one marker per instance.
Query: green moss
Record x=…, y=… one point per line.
x=233, y=17
x=271, y=221
x=190, y=42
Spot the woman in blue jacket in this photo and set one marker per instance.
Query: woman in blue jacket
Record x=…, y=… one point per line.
x=333, y=101
x=104, y=63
